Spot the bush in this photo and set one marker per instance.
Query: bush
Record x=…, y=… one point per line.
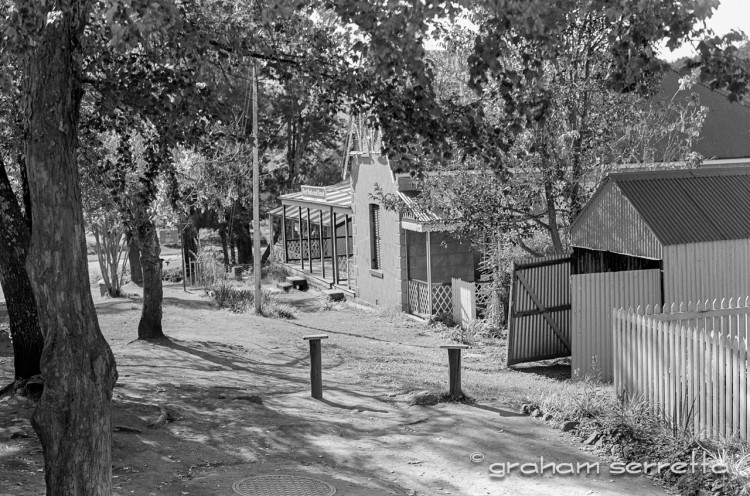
x=231, y=297
x=630, y=426
x=272, y=271
x=240, y=300
x=173, y=274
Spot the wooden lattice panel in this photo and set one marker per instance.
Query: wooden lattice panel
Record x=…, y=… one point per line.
x=418, y=294
x=343, y=264
x=442, y=299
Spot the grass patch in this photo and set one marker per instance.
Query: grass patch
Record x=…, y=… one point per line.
x=635, y=431
x=239, y=300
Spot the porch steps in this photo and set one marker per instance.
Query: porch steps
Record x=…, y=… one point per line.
x=284, y=286
x=298, y=282
x=335, y=294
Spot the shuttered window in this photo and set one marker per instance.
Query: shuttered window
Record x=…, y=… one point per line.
x=375, y=242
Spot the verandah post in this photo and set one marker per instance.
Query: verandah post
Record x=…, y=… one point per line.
x=334, y=248
x=309, y=240
x=322, y=246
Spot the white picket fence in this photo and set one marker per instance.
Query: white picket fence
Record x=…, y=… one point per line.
x=689, y=362
x=464, y=301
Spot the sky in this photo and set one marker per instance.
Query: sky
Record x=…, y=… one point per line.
x=731, y=14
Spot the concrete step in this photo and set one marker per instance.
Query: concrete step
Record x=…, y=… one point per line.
x=335, y=294
x=284, y=286
x=298, y=282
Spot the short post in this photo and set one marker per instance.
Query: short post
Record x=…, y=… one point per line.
x=454, y=365
x=316, y=367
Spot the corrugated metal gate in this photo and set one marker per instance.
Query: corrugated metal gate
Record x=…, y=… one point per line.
x=593, y=298
x=539, y=309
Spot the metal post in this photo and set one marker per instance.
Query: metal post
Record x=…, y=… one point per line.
x=316, y=365
x=334, y=248
x=256, y=197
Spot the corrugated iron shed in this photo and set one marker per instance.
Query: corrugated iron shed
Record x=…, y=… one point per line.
x=677, y=206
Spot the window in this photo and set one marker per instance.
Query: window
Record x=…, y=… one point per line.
x=375, y=250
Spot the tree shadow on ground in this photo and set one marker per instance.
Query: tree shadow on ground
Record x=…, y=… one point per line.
x=559, y=371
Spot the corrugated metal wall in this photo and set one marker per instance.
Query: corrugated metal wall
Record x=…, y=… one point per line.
x=609, y=222
x=593, y=297
x=706, y=271
x=530, y=336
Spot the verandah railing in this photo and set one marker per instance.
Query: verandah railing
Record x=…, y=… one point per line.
x=419, y=294
x=690, y=363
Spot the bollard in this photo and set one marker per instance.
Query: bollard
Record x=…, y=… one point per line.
x=454, y=366
x=316, y=368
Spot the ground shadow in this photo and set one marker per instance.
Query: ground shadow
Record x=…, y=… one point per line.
x=556, y=370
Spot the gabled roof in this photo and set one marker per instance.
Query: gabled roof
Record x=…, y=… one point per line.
x=292, y=214
x=686, y=205
x=726, y=131
x=338, y=195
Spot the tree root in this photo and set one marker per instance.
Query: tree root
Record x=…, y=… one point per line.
x=30, y=388
x=164, y=417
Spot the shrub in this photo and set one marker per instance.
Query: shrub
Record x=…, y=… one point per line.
x=640, y=432
x=172, y=274
x=273, y=271
x=231, y=297
x=240, y=300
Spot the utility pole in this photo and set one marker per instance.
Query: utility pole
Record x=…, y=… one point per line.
x=256, y=197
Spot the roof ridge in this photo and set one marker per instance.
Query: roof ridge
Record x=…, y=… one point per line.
x=714, y=90
x=680, y=173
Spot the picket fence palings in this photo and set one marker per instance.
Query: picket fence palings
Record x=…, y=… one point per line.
x=722, y=364
x=690, y=367
x=742, y=343
x=734, y=383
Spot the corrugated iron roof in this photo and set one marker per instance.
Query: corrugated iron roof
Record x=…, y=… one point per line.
x=415, y=211
x=336, y=195
x=726, y=131
x=292, y=214
x=690, y=205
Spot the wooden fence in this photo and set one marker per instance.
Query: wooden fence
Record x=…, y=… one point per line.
x=690, y=363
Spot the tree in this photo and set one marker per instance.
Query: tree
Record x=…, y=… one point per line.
x=15, y=237
x=77, y=364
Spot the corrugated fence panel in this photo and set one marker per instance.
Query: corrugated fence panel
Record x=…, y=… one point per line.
x=706, y=271
x=609, y=222
x=593, y=298
x=544, y=281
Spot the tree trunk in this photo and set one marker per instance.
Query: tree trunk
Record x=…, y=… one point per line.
x=244, y=244
x=150, y=325
x=134, y=255
x=15, y=238
x=72, y=418
x=269, y=246
x=554, y=229
x=189, y=247
x=224, y=247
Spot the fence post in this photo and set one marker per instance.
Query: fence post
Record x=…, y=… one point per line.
x=316, y=367
x=454, y=366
